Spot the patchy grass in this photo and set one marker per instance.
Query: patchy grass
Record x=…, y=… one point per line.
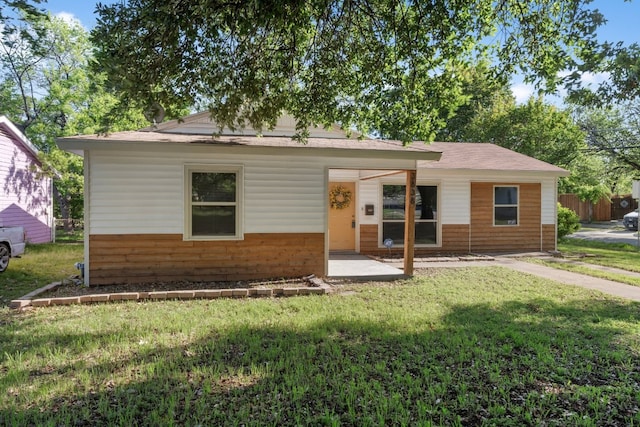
x=617, y=255
x=40, y=265
x=476, y=346
x=73, y=236
x=589, y=271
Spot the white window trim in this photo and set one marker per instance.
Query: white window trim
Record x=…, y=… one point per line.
x=517, y=206
x=436, y=220
x=239, y=203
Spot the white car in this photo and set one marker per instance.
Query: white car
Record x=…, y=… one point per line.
x=630, y=220
x=11, y=245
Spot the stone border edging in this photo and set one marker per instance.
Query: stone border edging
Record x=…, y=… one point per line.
x=29, y=299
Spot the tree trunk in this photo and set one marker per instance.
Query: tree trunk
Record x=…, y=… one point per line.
x=64, y=210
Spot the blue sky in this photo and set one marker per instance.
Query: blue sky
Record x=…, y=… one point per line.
x=622, y=15
x=623, y=19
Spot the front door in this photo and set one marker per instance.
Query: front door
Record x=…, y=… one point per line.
x=342, y=216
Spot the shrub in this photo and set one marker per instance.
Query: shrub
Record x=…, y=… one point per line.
x=568, y=221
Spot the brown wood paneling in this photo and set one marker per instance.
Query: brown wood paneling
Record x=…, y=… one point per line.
x=369, y=239
x=135, y=258
x=549, y=237
x=455, y=240
x=486, y=237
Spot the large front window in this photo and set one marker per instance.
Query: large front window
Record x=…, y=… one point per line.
x=393, y=214
x=213, y=202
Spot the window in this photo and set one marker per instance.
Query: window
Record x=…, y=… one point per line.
x=213, y=202
x=505, y=205
x=393, y=214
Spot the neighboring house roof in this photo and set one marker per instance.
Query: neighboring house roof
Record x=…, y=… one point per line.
x=201, y=124
x=489, y=157
x=12, y=132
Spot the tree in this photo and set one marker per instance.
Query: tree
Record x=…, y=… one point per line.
x=621, y=65
x=373, y=65
x=25, y=6
x=482, y=93
x=615, y=133
x=537, y=129
x=542, y=131
x=48, y=89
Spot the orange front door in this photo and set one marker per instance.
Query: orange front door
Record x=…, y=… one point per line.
x=342, y=216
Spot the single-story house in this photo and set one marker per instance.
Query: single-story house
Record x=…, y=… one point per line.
x=26, y=194
x=173, y=202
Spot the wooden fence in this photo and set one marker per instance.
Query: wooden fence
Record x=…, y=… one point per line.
x=604, y=210
x=587, y=211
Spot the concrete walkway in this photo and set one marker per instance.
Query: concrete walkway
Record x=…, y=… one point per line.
x=570, y=278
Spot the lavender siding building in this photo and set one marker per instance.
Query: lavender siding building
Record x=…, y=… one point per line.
x=25, y=193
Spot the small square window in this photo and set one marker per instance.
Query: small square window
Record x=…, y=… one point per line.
x=213, y=208
x=505, y=205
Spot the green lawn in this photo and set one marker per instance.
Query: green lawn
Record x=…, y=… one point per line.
x=579, y=251
x=476, y=346
x=39, y=266
x=617, y=255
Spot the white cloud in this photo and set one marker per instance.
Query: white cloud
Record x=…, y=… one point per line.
x=594, y=78
x=67, y=17
x=522, y=92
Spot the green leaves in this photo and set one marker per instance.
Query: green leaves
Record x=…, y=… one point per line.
x=371, y=65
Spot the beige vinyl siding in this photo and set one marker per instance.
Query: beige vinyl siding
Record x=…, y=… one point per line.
x=369, y=194
x=142, y=192
x=455, y=199
x=549, y=200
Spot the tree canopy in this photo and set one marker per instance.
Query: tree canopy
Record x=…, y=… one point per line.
x=47, y=88
x=373, y=65
x=614, y=132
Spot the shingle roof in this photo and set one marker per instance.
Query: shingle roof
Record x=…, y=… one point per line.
x=455, y=155
x=351, y=146
x=485, y=156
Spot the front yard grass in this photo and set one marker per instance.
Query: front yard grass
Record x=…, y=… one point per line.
x=475, y=346
x=589, y=271
x=617, y=255
x=40, y=265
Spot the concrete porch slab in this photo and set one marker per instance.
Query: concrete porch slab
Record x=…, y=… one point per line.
x=354, y=266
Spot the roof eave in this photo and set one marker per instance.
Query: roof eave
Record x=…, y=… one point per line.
x=78, y=146
x=20, y=136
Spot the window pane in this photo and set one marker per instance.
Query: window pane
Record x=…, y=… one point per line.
x=393, y=231
x=426, y=202
x=213, y=187
x=393, y=201
x=213, y=221
x=506, y=216
x=426, y=233
x=506, y=195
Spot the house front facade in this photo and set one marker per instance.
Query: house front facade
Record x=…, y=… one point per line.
x=174, y=203
x=25, y=192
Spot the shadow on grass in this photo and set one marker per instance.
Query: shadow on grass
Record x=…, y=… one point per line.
x=517, y=363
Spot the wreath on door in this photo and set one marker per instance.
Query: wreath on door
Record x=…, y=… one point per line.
x=339, y=197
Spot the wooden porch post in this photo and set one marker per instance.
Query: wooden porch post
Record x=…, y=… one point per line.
x=409, y=222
